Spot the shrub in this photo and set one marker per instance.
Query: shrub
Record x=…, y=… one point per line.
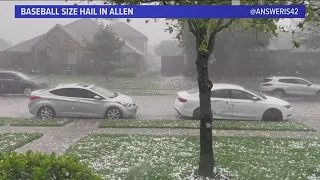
x=34, y=165
x=124, y=72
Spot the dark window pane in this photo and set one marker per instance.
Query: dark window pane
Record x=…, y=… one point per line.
x=291, y=81
x=236, y=94
x=219, y=94
x=299, y=81
x=82, y=93
x=63, y=92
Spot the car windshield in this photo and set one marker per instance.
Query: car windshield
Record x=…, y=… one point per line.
x=260, y=95
x=24, y=76
x=104, y=92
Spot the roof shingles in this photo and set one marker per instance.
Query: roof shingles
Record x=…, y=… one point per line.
x=83, y=30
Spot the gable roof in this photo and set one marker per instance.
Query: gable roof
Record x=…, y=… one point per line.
x=66, y=30
x=124, y=30
x=83, y=30
x=24, y=46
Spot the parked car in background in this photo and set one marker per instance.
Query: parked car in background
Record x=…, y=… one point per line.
x=289, y=86
x=235, y=103
x=81, y=100
x=13, y=82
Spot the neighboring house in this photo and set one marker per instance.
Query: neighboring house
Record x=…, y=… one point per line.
x=292, y=61
x=63, y=47
x=4, y=44
x=153, y=61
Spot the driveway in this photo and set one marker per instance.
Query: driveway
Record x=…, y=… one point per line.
x=161, y=107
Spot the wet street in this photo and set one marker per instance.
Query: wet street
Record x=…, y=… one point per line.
x=161, y=107
x=150, y=107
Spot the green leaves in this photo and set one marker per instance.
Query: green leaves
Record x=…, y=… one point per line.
x=105, y=45
x=204, y=45
x=37, y=166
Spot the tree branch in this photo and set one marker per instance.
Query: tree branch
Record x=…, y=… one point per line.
x=266, y=48
x=219, y=28
x=226, y=25
x=219, y=23
x=191, y=27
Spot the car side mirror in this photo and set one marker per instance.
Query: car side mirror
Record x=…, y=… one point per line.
x=309, y=84
x=97, y=97
x=255, y=99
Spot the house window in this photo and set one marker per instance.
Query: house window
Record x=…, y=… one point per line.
x=71, y=62
x=68, y=67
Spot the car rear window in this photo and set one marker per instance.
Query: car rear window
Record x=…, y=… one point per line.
x=193, y=91
x=291, y=81
x=267, y=80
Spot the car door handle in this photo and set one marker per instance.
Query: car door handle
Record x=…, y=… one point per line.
x=236, y=102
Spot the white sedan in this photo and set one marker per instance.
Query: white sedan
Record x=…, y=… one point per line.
x=234, y=102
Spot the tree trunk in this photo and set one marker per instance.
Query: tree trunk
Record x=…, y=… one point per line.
x=206, y=163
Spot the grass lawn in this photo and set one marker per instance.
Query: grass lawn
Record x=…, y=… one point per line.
x=12, y=141
x=33, y=122
x=217, y=124
x=132, y=83
x=147, y=81
x=172, y=157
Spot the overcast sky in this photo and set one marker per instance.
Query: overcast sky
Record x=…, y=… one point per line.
x=17, y=30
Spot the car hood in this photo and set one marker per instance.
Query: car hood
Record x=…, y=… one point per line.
x=123, y=99
x=274, y=100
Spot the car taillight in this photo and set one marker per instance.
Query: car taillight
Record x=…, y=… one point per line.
x=267, y=84
x=181, y=99
x=34, y=97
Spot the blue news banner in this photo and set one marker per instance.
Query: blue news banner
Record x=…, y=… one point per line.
x=158, y=11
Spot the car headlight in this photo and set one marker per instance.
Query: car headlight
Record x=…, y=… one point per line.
x=125, y=104
x=288, y=106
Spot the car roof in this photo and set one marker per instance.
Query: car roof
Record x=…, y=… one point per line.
x=7, y=71
x=75, y=85
x=284, y=77
x=227, y=86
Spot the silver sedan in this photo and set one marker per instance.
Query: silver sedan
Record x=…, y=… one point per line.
x=81, y=100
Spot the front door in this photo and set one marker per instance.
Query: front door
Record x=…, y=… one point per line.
x=12, y=83
x=244, y=107
x=2, y=83
x=303, y=88
x=221, y=104
x=86, y=105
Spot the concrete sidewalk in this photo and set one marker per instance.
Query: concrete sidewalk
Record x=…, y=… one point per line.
x=59, y=139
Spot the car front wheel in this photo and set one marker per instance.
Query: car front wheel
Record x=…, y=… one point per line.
x=113, y=113
x=272, y=115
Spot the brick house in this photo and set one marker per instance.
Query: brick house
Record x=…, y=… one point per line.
x=62, y=48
